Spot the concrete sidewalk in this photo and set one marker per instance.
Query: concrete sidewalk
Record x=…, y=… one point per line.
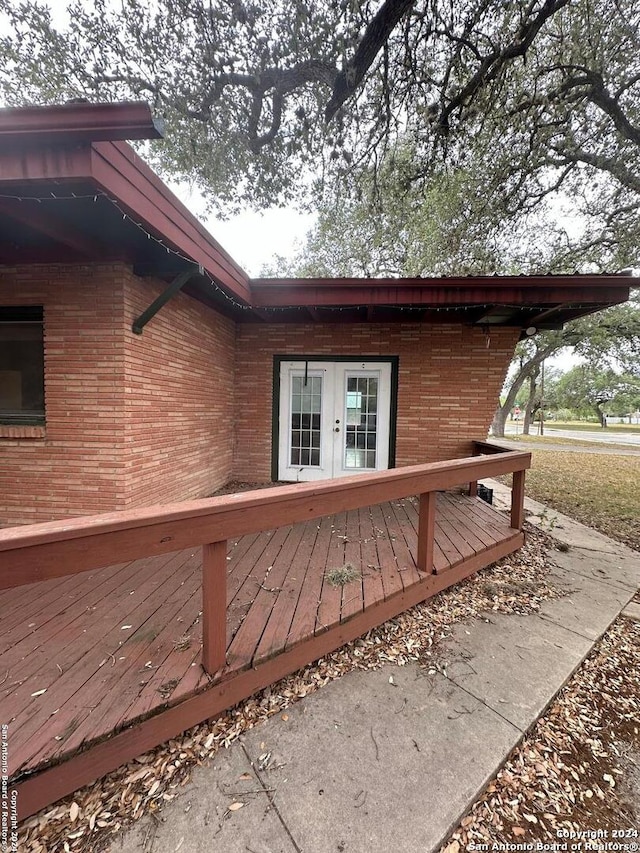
x=391, y=760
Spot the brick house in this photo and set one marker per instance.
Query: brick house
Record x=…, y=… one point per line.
x=140, y=365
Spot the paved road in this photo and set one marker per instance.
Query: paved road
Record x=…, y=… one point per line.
x=567, y=447
x=601, y=436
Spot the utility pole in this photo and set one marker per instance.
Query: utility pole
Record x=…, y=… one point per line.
x=542, y=400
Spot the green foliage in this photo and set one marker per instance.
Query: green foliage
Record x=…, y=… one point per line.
x=270, y=102
x=392, y=224
x=587, y=388
x=609, y=340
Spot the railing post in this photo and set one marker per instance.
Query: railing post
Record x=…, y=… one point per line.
x=517, y=500
x=214, y=606
x=426, y=531
x=473, y=485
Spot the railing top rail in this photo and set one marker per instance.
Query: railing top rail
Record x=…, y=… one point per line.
x=58, y=548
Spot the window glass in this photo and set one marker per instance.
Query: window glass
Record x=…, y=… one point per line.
x=360, y=428
x=306, y=408
x=21, y=366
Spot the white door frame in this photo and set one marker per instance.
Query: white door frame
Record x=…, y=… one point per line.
x=327, y=456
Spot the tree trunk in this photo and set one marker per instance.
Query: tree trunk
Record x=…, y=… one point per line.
x=529, y=367
x=601, y=415
x=499, y=421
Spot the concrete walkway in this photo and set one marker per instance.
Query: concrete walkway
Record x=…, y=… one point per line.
x=391, y=760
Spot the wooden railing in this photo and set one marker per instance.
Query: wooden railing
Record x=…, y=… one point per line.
x=54, y=549
x=517, y=487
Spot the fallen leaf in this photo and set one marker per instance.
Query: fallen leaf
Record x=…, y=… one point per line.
x=74, y=811
x=518, y=830
x=39, y=692
x=285, y=717
x=235, y=806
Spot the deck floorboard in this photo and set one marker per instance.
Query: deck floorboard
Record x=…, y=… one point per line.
x=69, y=638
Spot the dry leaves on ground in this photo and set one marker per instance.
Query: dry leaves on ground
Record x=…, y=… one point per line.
x=572, y=772
x=88, y=819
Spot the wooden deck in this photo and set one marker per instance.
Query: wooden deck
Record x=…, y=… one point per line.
x=99, y=666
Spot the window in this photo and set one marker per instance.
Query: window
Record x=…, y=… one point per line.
x=21, y=366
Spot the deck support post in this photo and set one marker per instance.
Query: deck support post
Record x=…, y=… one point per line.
x=214, y=606
x=426, y=531
x=517, y=500
x=473, y=485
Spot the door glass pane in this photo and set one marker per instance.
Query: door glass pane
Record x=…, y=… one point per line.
x=361, y=406
x=306, y=409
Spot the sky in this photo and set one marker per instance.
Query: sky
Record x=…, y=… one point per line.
x=252, y=239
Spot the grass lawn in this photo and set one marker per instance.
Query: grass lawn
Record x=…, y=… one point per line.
x=602, y=491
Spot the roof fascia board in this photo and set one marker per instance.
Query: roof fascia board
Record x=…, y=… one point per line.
x=122, y=175
x=45, y=164
x=59, y=124
x=540, y=290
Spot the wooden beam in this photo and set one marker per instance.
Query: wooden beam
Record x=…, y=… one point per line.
x=176, y=285
x=426, y=531
x=545, y=315
x=517, y=500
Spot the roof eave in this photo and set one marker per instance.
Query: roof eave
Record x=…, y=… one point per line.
x=77, y=121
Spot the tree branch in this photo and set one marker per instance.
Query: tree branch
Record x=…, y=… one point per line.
x=376, y=35
x=495, y=61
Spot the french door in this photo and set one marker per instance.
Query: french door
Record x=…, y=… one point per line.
x=334, y=418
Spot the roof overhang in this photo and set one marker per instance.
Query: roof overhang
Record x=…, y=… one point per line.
x=73, y=191
x=76, y=198
x=77, y=121
x=527, y=302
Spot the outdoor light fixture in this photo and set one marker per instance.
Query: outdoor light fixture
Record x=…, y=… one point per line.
x=530, y=330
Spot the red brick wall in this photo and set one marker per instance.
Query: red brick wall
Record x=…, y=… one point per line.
x=179, y=398
x=131, y=419
x=448, y=385
x=74, y=465
x=135, y=420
